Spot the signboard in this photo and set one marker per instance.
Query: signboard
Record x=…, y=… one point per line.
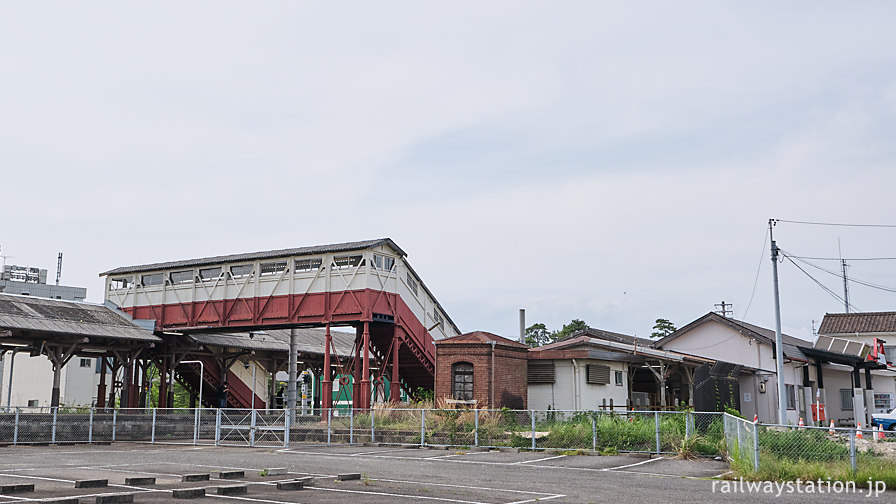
x=748, y=397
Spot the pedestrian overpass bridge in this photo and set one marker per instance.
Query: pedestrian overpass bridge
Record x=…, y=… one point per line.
x=366, y=285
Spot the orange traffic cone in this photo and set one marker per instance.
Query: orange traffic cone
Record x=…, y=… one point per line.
x=756, y=418
x=801, y=424
x=831, y=431
x=859, y=431
x=880, y=432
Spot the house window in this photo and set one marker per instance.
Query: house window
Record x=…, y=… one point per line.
x=598, y=374
x=179, y=277
x=304, y=265
x=242, y=270
x=383, y=262
x=540, y=372
x=85, y=363
x=33, y=403
x=846, y=399
x=154, y=279
x=412, y=283
x=343, y=262
x=789, y=393
x=462, y=373
x=209, y=273
x=272, y=268
x=619, y=378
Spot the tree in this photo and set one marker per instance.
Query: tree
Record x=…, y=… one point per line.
x=662, y=328
x=573, y=326
x=538, y=335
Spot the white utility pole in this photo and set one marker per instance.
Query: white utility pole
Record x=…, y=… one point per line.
x=779, y=343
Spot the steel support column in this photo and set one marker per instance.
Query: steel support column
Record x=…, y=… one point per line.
x=365, y=369
x=101, y=388
x=394, y=385
x=356, y=371
x=163, y=383
x=326, y=378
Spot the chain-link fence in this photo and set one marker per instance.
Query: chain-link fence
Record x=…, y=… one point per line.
x=626, y=431
x=761, y=449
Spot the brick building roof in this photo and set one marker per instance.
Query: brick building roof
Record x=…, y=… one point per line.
x=480, y=337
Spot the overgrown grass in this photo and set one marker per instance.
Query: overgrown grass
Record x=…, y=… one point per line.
x=788, y=455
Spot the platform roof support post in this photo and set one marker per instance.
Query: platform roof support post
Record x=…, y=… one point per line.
x=292, y=372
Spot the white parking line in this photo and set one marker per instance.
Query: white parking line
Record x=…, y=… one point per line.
x=632, y=465
x=538, y=460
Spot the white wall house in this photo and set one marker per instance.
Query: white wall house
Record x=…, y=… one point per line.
x=751, y=347
x=32, y=379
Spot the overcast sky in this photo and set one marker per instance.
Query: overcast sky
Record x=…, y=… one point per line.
x=614, y=162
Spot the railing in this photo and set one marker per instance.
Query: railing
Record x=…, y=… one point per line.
x=631, y=431
x=756, y=448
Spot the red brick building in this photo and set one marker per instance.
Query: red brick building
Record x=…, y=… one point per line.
x=483, y=370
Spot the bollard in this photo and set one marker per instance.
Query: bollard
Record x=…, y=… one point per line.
x=422, y=427
x=475, y=427
x=656, y=421
x=90, y=428
x=532, y=415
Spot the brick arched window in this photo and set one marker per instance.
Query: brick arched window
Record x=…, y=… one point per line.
x=462, y=379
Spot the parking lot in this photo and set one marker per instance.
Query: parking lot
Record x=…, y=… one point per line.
x=386, y=474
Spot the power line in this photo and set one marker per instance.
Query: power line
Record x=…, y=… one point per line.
x=836, y=224
x=756, y=280
x=817, y=282
x=845, y=258
x=839, y=275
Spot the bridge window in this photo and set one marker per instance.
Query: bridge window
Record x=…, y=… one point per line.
x=179, y=277
x=308, y=264
x=240, y=271
x=209, y=273
x=383, y=262
x=120, y=283
x=343, y=262
x=462, y=374
x=272, y=268
x=412, y=283
x=154, y=279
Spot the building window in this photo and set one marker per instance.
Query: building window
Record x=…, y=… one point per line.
x=846, y=399
x=437, y=316
x=620, y=380
x=85, y=363
x=33, y=403
x=598, y=374
x=463, y=381
x=179, y=277
x=539, y=372
x=272, y=268
x=154, y=279
x=120, y=283
x=209, y=273
x=344, y=262
x=243, y=270
x=789, y=393
x=304, y=265
x=412, y=283
x=383, y=262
